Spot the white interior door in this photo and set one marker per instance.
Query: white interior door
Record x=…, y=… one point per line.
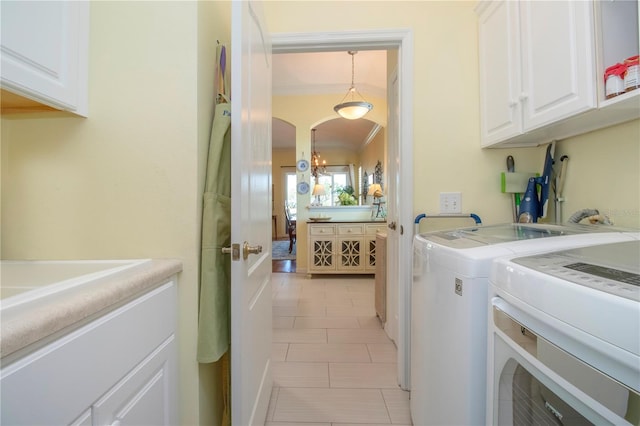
x=251, y=380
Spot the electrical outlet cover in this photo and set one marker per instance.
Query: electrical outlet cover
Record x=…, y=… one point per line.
x=450, y=202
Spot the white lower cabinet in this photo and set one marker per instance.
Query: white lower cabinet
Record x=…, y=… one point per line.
x=119, y=369
x=342, y=248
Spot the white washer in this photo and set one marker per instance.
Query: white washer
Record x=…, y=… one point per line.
x=564, y=337
x=449, y=310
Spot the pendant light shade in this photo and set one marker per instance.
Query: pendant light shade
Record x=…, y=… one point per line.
x=353, y=110
x=350, y=107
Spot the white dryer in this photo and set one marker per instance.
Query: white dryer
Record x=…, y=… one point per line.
x=449, y=310
x=564, y=338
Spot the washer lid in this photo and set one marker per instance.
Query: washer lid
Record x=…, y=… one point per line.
x=509, y=232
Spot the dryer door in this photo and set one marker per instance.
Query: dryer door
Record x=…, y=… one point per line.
x=534, y=382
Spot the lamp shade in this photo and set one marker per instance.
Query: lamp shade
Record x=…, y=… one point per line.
x=318, y=189
x=375, y=189
x=353, y=110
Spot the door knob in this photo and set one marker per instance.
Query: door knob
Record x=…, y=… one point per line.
x=392, y=225
x=247, y=250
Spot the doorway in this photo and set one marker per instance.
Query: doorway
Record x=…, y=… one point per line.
x=284, y=238
x=400, y=208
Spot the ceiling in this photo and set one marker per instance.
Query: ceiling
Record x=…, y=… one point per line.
x=329, y=73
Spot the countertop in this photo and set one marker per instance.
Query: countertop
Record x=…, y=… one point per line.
x=53, y=315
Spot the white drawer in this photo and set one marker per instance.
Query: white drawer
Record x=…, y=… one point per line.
x=373, y=229
x=322, y=229
x=351, y=229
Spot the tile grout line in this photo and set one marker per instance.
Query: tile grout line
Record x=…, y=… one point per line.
x=386, y=406
x=275, y=403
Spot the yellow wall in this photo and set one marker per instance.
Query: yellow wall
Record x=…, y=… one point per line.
x=126, y=181
x=603, y=173
x=446, y=145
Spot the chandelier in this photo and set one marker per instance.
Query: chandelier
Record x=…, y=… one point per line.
x=353, y=109
x=316, y=168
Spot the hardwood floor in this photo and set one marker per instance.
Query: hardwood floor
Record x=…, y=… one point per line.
x=283, y=266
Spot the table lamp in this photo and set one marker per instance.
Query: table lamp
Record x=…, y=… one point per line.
x=375, y=190
x=318, y=190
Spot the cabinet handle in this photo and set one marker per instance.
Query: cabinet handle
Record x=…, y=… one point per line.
x=513, y=104
x=117, y=422
x=524, y=96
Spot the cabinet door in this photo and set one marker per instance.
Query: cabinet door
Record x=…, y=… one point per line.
x=322, y=254
x=558, y=60
x=499, y=60
x=350, y=254
x=144, y=396
x=44, y=51
x=370, y=253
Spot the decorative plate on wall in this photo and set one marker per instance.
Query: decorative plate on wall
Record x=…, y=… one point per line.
x=302, y=165
x=303, y=187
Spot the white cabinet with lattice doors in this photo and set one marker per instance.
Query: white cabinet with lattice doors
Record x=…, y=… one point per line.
x=342, y=247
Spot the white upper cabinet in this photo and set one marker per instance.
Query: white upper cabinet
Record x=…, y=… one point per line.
x=540, y=66
x=558, y=60
x=500, y=77
x=45, y=52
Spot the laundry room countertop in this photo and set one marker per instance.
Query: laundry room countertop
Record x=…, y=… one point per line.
x=34, y=310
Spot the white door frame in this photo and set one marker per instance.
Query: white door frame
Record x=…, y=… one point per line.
x=401, y=39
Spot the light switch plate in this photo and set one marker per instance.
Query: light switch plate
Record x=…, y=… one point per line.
x=450, y=202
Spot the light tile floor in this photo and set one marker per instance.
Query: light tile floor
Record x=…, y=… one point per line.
x=333, y=363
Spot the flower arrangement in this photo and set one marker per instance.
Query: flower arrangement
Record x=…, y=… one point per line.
x=345, y=196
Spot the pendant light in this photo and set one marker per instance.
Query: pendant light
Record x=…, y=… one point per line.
x=316, y=168
x=353, y=109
